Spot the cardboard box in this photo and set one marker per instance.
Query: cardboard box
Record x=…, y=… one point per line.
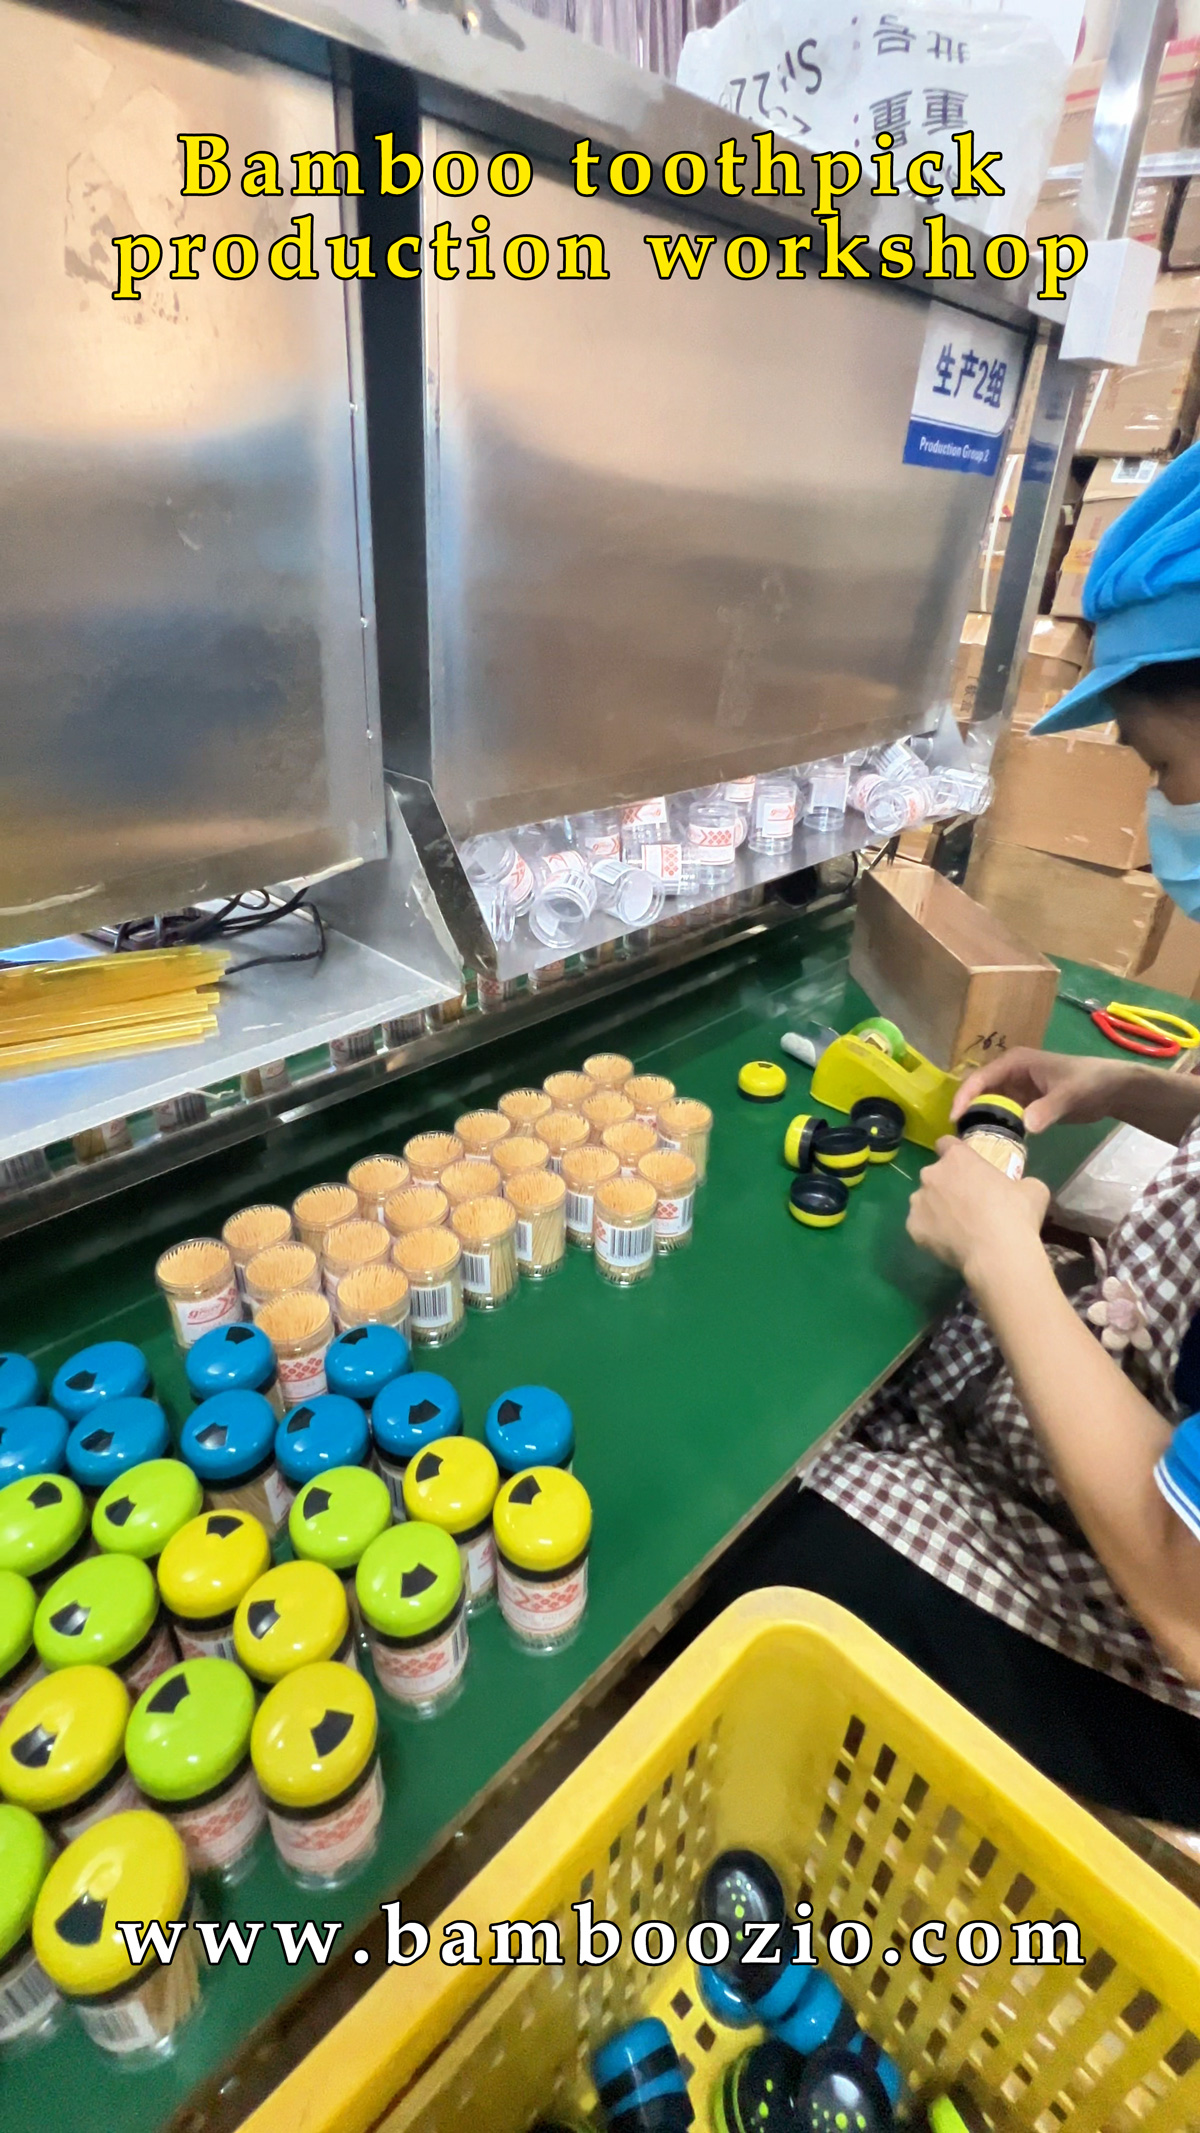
x=967, y=662
x=1184, y=253
x=1058, y=205
x=934, y=961
x=995, y=538
x=1112, y=488
x=1151, y=407
x=1081, y=795
x=1059, y=651
x=1173, y=114
x=1176, y=966
x=1115, y=921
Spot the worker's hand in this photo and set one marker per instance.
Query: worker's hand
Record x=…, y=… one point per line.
x=966, y=1212
x=1054, y=1088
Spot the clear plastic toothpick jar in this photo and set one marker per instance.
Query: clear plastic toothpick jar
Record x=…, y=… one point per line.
x=300, y=1329
x=623, y=1235
x=828, y=787
x=773, y=817
x=432, y=1260
x=413, y=1603
x=583, y=1169
x=201, y=1287
x=673, y=1176
x=543, y=1527
x=711, y=843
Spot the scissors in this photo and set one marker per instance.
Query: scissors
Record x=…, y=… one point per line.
x=1151, y=1031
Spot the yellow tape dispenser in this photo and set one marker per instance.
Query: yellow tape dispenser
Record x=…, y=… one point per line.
x=860, y=1064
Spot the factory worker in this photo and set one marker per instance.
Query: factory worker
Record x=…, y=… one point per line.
x=1019, y=1510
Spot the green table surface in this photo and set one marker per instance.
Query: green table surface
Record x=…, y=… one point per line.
x=694, y=1395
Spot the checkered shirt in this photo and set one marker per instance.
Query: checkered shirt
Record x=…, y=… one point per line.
x=943, y=1464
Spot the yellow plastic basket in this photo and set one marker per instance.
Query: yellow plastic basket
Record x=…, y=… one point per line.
x=790, y=1727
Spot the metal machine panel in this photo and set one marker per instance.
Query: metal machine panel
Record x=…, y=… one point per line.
x=670, y=534
x=185, y=706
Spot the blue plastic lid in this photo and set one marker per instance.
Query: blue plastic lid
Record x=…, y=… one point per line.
x=120, y=1434
x=228, y=1438
x=33, y=1440
x=229, y=1359
x=529, y=1426
x=361, y=1362
x=623, y=2060
x=414, y=1411
x=20, y=1385
x=108, y=1370
x=319, y=1434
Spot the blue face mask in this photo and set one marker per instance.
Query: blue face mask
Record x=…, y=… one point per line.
x=1174, y=834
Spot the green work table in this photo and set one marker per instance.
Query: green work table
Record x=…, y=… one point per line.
x=695, y=1395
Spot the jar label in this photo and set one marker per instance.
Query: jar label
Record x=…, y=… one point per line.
x=664, y=861
x=326, y=1844
x=719, y=845
x=432, y=1306
x=542, y=1607
x=122, y=1795
x=564, y=866
x=622, y=1246
x=518, y=884
x=646, y=814
x=477, y=1273
x=740, y=791
x=217, y=1835
x=26, y=1998
x=394, y=1477
x=302, y=1377
x=157, y=1657
x=479, y=1565
x=196, y=1642
x=862, y=788
x=421, y=1672
x=580, y=1212
x=123, y=2026
x=524, y=1240
x=775, y=817
x=199, y=1314
x=673, y=1218
x=280, y=1497
x=604, y=845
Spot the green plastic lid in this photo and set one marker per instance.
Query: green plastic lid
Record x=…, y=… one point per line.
x=338, y=1515
x=41, y=1518
x=190, y=1729
x=18, y=1604
x=409, y=1579
x=140, y=1510
x=96, y=1613
x=25, y=1855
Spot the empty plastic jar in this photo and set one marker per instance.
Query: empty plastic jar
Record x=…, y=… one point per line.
x=20, y=1665
x=252, y=1230
x=320, y=1208
x=318, y=1435
x=487, y=1232
x=29, y=2003
x=233, y=1359
x=20, y=1385
x=229, y=1442
x=647, y=1093
x=564, y=899
x=673, y=1176
x=375, y=1296
x=453, y=1485
x=33, y=1440
x=204, y=1571
x=62, y=1750
x=628, y=893
x=560, y=1131
x=108, y=1370
x=828, y=786
x=470, y=1180
x=530, y=1426
x=582, y=1170
x=43, y=1526
x=543, y=1526
x=348, y=1248
x=373, y=1177
x=712, y=842
x=200, y=1284
x=141, y=1509
x=428, y=1154
x=336, y=1517
x=623, y=1235
x=132, y=1866
x=410, y=1413
x=188, y=1749
x=539, y=1198
x=522, y=1108
x=773, y=817
x=685, y=1124
x=315, y=1751
x=105, y=1611
x=416, y=1207
x=300, y=1330
x=292, y=1616
x=361, y=1362
x=281, y=1270
x=567, y=1090
x=411, y=1598
x=598, y=834
x=124, y=1435
x=432, y=1260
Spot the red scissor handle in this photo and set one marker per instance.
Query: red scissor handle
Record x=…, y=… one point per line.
x=1136, y=1037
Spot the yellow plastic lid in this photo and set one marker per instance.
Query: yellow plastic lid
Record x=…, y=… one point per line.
x=128, y=1866
x=207, y=1567
x=542, y=1520
x=294, y=1615
x=314, y=1735
x=452, y=1484
x=62, y=1737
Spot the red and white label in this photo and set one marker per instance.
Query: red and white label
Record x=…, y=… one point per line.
x=280, y=1497
x=302, y=1377
x=862, y=788
x=217, y=1835
x=775, y=815
x=645, y=814
x=114, y=1802
x=325, y=1845
x=717, y=842
x=419, y=1673
x=740, y=791
x=479, y=1565
x=581, y=1209
x=519, y=884
x=604, y=844
x=159, y=1654
x=543, y=1608
x=673, y=1218
x=624, y=1247
x=564, y=866
x=196, y=1315
x=664, y=862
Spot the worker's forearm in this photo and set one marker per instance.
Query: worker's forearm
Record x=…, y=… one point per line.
x=1157, y=1102
x=1102, y=1439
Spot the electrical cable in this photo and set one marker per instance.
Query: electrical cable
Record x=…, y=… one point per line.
x=250, y=912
